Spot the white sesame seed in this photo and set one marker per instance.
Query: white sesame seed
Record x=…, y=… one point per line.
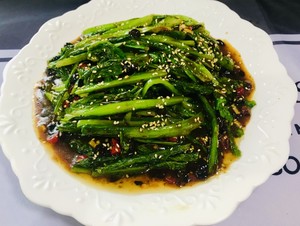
x=116, y=122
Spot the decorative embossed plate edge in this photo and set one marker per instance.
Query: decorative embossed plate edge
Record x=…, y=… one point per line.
x=265, y=146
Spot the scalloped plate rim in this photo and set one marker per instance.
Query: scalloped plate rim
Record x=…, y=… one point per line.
x=82, y=218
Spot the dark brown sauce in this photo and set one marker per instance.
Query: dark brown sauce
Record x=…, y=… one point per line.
x=61, y=154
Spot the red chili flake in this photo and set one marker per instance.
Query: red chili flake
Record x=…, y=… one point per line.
x=170, y=180
x=83, y=65
x=66, y=104
x=79, y=158
x=115, y=147
x=53, y=138
x=172, y=139
x=240, y=91
x=192, y=177
x=76, y=97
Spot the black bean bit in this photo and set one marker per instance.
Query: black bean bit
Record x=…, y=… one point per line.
x=135, y=33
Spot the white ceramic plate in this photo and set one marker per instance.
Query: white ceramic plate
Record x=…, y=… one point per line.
x=265, y=145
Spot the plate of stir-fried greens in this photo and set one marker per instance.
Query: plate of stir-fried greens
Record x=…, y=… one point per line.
x=146, y=93
x=155, y=96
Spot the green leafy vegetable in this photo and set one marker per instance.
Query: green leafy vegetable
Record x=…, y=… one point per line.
x=147, y=95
